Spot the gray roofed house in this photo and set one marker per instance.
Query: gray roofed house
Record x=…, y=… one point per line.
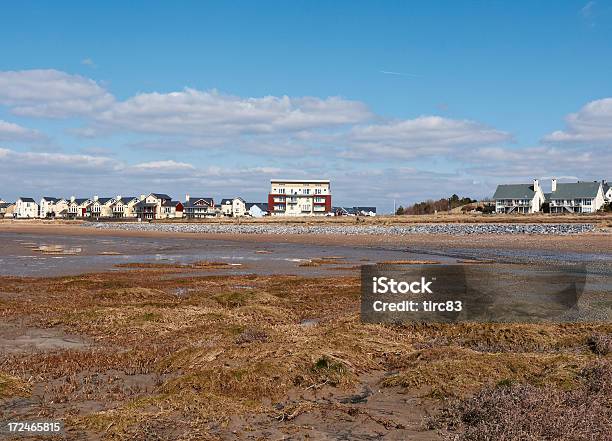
x=199, y=207
x=519, y=198
x=576, y=197
x=257, y=209
x=24, y=199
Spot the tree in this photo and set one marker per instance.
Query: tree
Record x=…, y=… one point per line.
x=399, y=211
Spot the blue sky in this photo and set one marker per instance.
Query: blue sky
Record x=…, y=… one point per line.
x=390, y=100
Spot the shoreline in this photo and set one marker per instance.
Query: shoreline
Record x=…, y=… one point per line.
x=597, y=241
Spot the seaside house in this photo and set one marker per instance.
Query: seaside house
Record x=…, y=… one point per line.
x=298, y=197
x=47, y=206
x=519, y=198
x=199, y=207
x=576, y=197
x=158, y=206
x=124, y=206
x=257, y=209
x=26, y=208
x=4, y=206
x=235, y=207
x=77, y=208
x=607, y=189
x=101, y=207
x=354, y=211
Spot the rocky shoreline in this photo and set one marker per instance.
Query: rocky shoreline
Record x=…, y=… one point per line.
x=561, y=229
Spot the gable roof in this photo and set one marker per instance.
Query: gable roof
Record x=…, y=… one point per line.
x=161, y=196
x=226, y=201
x=575, y=190
x=263, y=206
x=50, y=199
x=24, y=199
x=81, y=201
x=194, y=202
x=514, y=191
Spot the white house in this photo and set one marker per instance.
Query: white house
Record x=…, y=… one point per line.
x=47, y=206
x=519, y=198
x=4, y=206
x=78, y=207
x=607, y=189
x=158, y=206
x=26, y=208
x=101, y=207
x=257, y=209
x=235, y=207
x=576, y=197
x=124, y=206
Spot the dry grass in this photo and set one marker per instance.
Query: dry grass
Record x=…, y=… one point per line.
x=511, y=411
x=198, y=349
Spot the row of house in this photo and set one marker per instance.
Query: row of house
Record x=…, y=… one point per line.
x=143, y=207
x=572, y=197
x=287, y=197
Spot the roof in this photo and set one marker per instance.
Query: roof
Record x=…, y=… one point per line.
x=226, y=201
x=192, y=201
x=575, y=190
x=161, y=196
x=171, y=203
x=104, y=200
x=81, y=201
x=5, y=204
x=50, y=198
x=514, y=191
x=263, y=206
x=294, y=181
x=24, y=199
x=366, y=209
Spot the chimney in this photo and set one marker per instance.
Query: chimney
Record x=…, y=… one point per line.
x=536, y=185
x=142, y=197
x=95, y=197
x=187, y=197
x=118, y=197
x=554, y=185
x=72, y=198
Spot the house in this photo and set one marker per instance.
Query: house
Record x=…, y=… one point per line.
x=60, y=208
x=576, y=197
x=158, y=206
x=257, y=209
x=199, y=207
x=235, y=207
x=607, y=189
x=298, y=197
x=101, y=207
x=47, y=206
x=124, y=206
x=4, y=207
x=78, y=207
x=354, y=211
x=519, y=198
x=26, y=208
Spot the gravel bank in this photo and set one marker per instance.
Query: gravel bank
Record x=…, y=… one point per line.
x=384, y=230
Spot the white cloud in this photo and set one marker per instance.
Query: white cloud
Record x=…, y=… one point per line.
x=422, y=136
x=51, y=93
x=14, y=132
x=591, y=124
x=193, y=112
x=161, y=166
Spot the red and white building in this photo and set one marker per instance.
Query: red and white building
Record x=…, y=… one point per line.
x=298, y=197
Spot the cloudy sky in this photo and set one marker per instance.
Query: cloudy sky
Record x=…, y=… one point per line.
x=390, y=100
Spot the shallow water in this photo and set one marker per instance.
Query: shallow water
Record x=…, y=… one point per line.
x=20, y=255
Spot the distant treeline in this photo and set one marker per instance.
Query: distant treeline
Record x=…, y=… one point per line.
x=431, y=206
